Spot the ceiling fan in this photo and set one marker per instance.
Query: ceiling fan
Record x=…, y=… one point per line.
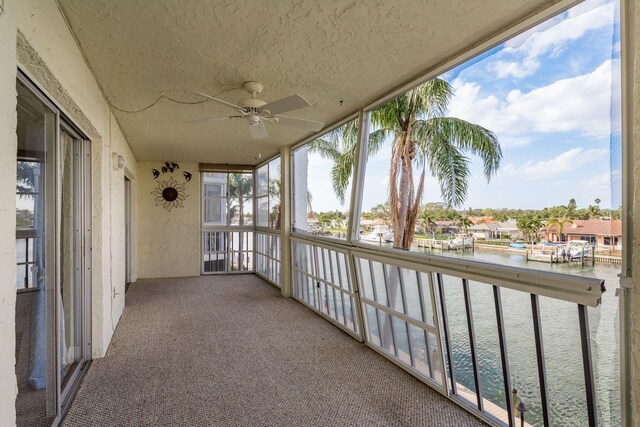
x=256, y=111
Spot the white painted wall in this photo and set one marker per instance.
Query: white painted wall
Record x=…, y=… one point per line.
x=8, y=142
x=168, y=241
x=48, y=53
x=116, y=245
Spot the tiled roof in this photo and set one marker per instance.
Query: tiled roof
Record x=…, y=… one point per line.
x=480, y=219
x=603, y=227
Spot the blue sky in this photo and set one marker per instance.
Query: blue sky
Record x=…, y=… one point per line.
x=551, y=95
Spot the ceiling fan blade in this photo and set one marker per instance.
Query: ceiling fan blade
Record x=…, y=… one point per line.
x=206, y=119
x=258, y=130
x=283, y=105
x=220, y=101
x=303, y=124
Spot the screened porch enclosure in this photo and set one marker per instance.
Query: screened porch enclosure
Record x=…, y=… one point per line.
x=474, y=332
x=375, y=272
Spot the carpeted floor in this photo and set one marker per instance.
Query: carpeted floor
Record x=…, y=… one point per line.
x=229, y=351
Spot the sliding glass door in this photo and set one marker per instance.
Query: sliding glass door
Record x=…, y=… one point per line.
x=53, y=259
x=74, y=227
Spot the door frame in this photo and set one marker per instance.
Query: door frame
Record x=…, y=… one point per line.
x=127, y=233
x=82, y=178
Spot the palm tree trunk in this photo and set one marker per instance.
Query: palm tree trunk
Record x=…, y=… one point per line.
x=412, y=214
x=404, y=196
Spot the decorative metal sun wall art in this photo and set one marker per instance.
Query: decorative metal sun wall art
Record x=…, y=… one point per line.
x=170, y=193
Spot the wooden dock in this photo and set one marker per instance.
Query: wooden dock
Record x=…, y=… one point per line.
x=444, y=245
x=433, y=244
x=489, y=407
x=530, y=254
x=552, y=255
x=543, y=256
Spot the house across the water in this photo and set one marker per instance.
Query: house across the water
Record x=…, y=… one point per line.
x=600, y=232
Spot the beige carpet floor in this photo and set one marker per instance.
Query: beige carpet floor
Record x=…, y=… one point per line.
x=230, y=351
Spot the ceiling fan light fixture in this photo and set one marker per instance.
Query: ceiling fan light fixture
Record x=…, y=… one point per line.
x=253, y=119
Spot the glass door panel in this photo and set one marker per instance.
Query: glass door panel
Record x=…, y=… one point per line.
x=53, y=260
x=36, y=403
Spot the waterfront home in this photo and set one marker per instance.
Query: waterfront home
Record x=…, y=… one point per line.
x=507, y=228
x=482, y=230
x=495, y=230
x=601, y=232
x=444, y=227
x=370, y=224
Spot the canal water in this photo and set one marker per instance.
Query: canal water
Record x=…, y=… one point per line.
x=561, y=341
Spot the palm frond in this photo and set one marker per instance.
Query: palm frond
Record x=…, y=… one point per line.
x=466, y=136
x=451, y=168
x=327, y=148
x=341, y=174
x=433, y=98
x=376, y=140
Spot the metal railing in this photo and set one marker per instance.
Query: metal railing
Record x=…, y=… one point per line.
x=227, y=251
x=323, y=280
x=26, y=263
x=267, y=256
x=473, y=331
x=399, y=316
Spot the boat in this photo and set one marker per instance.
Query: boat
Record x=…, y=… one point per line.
x=378, y=235
x=517, y=245
x=461, y=241
x=578, y=249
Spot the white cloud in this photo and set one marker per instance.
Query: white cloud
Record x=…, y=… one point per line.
x=515, y=69
x=580, y=104
x=520, y=56
x=561, y=164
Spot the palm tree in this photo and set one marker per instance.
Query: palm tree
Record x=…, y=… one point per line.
x=529, y=226
x=422, y=133
x=427, y=218
x=558, y=223
x=423, y=137
x=240, y=189
x=420, y=136
x=464, y=223
x=274, y=195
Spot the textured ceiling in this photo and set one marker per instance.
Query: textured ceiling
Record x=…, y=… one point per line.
x=326, y=51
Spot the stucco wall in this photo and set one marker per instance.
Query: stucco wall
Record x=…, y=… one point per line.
x=168, y=241
x=48, y=53
x=8, y=142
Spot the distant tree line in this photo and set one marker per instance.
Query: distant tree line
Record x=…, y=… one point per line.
x=529, y=221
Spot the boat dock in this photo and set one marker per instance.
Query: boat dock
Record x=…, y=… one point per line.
x=444, y=245
x=433, y=244
x=547, y=255
x=559, y=254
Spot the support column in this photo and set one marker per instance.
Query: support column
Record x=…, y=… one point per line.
x=355, y=206
x=629, y=293
x=286, y=285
